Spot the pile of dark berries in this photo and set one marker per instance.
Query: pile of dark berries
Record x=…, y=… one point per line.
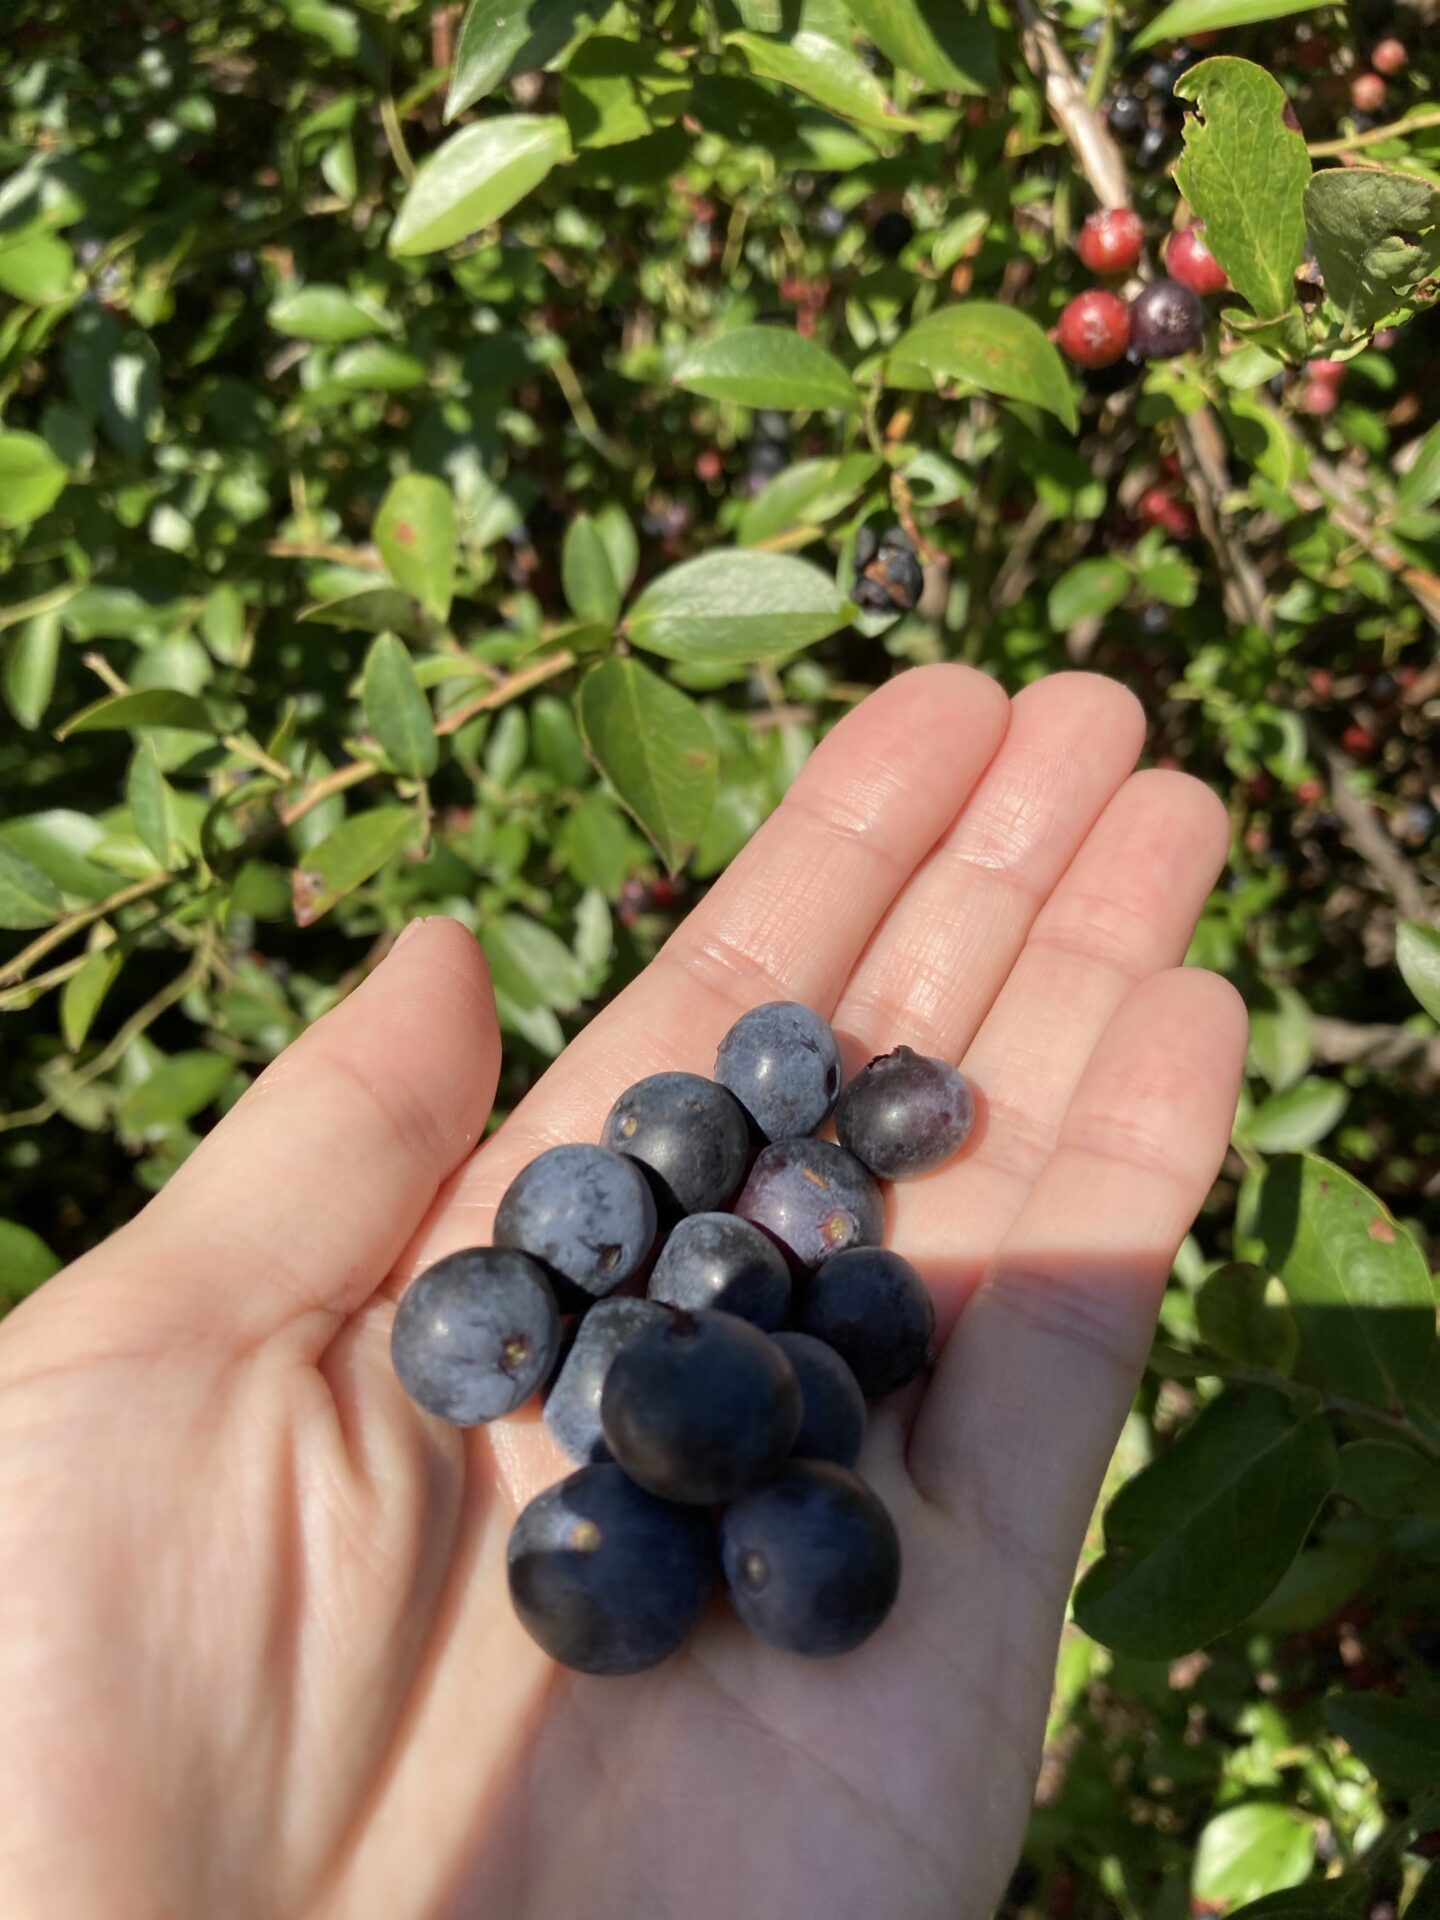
x=888, y=575
x=716, y=1421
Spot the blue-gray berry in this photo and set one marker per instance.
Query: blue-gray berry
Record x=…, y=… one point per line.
x=691, y=1134
x=832, y=1416
x=476, y=1334
x=873, y=1308
x=905, y=1114
x=572, y=1406
x=719, y=1260
x=814, y=1200
x=586, y=1213
x=781, y=1063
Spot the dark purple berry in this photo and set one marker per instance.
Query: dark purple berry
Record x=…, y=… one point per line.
x=813, y=1199
x=691, y=1134
x=586, y=1213
x=702, y=1409
x=875, y=1310
x=781, y=1063
x=813, y=1561
x=719, y=1260
x=476, y=1335
x=606, y=1578
x=892, y=233
x=832, y=1418
x=905, y=1114
x=1154, y=145
x=572, y=1406
x=1126, y=116
x=892, y=579
x=1165, y=319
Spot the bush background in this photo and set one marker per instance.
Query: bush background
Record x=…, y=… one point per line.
x=213, y=371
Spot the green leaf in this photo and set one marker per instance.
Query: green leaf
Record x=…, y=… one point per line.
x=652, y=744
x=374, y=365
x=151, y=801
x=767, y=367
x=1184, y=17
x=1362, y=1296
x=181, y=1086
x=989, y=346
x=615, y=529
x=61, y=842
x=732, y=607
x=1282, y=1041
x=805, y=496
x=1417, y=951
x=40, y=270
x=1244, y=172
x=1243, y=1315
x=1089, y=590
x=1297, y=1118
x=814, y=64
x=475, y=177
x=1197, y=1539
x=1419, y=485
x=1399, y=1740
x=415, y=532
x=30, y=667
x=348, y=857
x=25, y=1260
x=152, y=707
x=1252, y=1849
x=1389, y=1479
x=1376, y=237
x=31, y=478
x=396, y=711
x=501, y=37
x=28, y=897
x=328, y=314
x=587, y=574
x=945, y=43
x=84, y=992
x=530, y=965
x=616, y=91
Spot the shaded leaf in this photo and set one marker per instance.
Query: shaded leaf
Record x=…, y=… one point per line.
x=1399, y=1740
x=587, y=574
x=1185, y=17
x=652, y=744
x=1417, y=950
x=348, y=857
x=501, y=37
x=737, y=606
x=28, y=897
x=475, y=177
x=85, y=991
x=989, y=346
x=396, y=711
x=1376, y=237
x=415, y=532
x=616, y=91
x=1242, y=1314
x=945, y=43
x=152, y=707
x=180, y=1086
x=25, y=1260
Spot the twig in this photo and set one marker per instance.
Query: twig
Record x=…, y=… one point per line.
x=1099, y=157
x=1341, y=1042
x=1363, y=830
x=1373, y=137
x=365, y=557
x=350, y=775
x=57, y=935
x=247, y=750
x=583, y=413
x=42, y=603
x=395, y=138
x=29, y=991
x=98, y=664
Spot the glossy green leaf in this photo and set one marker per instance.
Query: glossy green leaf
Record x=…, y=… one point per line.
x=1244, y=173
x=1282, y=1043
x=990, y=347
x=1376, y=237
x=31, y=661
x=1089, y=590
x=25, y=1261
x=737, y=606
x=1298, y=1118
x=84, y=992
x=479, y=174
x=652, y=744
x=327, y=314
x=60, y=842
x=615, y=529
x=1185, y=17
x=806, y=495
x=530, y=965
x=1249, y=1850
x=813, y=64
x=31, y=478
x=1197, y=1539
x=415, y=532
x=1417, y=952
x=151, y=801
x=946, y=43
x=181, y=1086
x=129, y=712
x=1399, y=1740
x=501, y=37
x=28, y=896
x=396, y=710
x=587, y=574
x=374, y=364
x=348, y=857
x=767, y=367
x=1243, y=1315
x=1361, y=1293
x=40, y=270
x=1419, y=485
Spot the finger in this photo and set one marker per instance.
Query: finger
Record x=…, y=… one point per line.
x=1031, y=1392
x=942, y=955
x=1125, y=908
x=301, y=1199
x=787, y=921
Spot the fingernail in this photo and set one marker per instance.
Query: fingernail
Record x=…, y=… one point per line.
x=410, y=928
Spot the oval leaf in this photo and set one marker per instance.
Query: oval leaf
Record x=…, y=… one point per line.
x=805, y=496
x=1235, y=1495
x=179, y=1088
x=990, y=346
x=1417, y=949
x=1242, y=1314
x=767, y=367
x=347, y=858
x=1089, y=590
x=814, y=64
x=501, y=37
x=476, y=176
x=1399, y=1740
x=1185, y=17
x=25, y=1260
x=587, y=574
x=1250, y=1850
x=530, y=965
x=327, y=314
x=85, y=991
x=652, y=744
x=415, y=532
x=30, y=668
x=735, y=607
x=151, y=801
x=396, y=711
x=949, y=47
x=1362, y=1296
x=31, y=478
x=1290, y=1121
x=28, y=897
x=127, y=712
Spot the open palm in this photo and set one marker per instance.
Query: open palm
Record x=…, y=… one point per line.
x=256, y=1656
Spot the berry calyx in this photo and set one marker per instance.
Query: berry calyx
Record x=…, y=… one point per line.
x=1190, y=261
x=1094, y=329
x=1110, y=241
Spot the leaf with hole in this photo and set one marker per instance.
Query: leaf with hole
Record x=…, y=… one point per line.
x=348, y=857
x=1376, y=237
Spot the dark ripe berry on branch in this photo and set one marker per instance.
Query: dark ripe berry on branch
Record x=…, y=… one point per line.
x=892, y=233
x=1166, y=319
x=1126, y=116
x=1094, y=329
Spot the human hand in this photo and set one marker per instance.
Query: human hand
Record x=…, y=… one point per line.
x=256, y=1655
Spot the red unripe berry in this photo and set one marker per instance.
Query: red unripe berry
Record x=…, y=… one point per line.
x=1313, y=53
x=1367, y=93
x=1390, y=55
x=709, y=466
x=1357, y=739
x=1309, y=793
x=1190, y=261
x=1158, y=507
x=1318, y=397
x=1110, y=241
x=1094, y=329
x=1322, y=681
x=1332, y=372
